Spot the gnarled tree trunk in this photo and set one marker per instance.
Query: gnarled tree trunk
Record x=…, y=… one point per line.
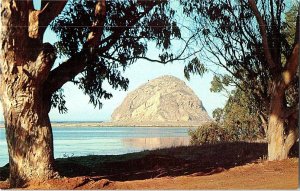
x=28, y=133
x=28, y=129
x=282, y=131
x=25, y=65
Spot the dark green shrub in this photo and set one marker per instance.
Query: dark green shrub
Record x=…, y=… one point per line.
x=210, y=133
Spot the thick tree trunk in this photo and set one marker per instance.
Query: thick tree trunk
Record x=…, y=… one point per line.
x=28, y=129
x=29, y=137
x=25, y=64
x=282, y=131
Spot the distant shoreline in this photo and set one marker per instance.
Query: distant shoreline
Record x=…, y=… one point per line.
x=115, y=124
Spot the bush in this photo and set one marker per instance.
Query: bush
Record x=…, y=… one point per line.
x=210, y=133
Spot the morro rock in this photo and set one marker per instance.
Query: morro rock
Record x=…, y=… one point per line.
x=164, y=101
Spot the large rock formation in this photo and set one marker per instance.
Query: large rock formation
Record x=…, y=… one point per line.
x=164, y=101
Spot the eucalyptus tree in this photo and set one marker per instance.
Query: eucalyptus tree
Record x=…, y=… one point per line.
x=249, y=39
x=97, y=40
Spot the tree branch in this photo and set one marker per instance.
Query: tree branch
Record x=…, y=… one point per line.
x=76, y=64
x=263, y=32
x=65, y=72
x=290, y=69
x=93, y=39
x=113, y=38
x=40, y=19
x=264, y=123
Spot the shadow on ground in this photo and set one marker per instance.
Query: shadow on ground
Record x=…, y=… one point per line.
x=186, y=160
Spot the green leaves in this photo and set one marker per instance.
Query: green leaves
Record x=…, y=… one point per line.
x=194, y=67
x=58, y=101
x=128, y=27
x=210, y=133
x=235, y=122
x=230, y=36
x=220, y=82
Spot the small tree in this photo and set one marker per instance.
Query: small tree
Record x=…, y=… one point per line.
x=240, y=117
x=249, y=40
x=237, y=121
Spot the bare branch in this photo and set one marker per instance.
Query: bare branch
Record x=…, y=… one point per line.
x=290, y=69
x=263, y=32
x=50, y=10
x=264, y=123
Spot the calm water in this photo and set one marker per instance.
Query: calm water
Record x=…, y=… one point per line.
x=107, y=140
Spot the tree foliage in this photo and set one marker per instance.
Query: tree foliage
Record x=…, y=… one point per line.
x=237, y=121
x=209, y=133
x=231, y=39
x=126, y=31
x=241, y=117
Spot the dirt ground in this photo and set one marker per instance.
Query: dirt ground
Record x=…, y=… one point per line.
x=222, y=166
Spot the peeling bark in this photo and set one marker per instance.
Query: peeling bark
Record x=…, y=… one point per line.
x=25, y=65
x=28, y=128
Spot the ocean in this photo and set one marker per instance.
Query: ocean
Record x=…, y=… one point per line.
x=82, y=141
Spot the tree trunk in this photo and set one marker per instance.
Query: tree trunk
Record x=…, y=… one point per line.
x=29, y=137
x=28, y=129
x=25, y=65
x=282, y=131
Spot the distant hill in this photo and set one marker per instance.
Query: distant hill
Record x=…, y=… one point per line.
x=164, y=101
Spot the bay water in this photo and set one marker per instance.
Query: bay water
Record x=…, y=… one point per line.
x=83, y=141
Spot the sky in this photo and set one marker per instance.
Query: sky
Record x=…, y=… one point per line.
x=79, y=108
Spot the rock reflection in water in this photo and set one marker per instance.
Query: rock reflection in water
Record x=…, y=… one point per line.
x=154, y=143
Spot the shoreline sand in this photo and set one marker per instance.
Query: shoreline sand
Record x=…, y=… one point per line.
x=116, y=124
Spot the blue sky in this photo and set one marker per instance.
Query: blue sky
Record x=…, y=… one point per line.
x=139, y=73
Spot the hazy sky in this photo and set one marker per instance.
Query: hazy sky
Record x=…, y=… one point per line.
x=139, y=73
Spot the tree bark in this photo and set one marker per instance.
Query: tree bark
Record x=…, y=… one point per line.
x=282, y=129
x=29, y=136
x=25, y=65
x=28, y=129
x=275, y=134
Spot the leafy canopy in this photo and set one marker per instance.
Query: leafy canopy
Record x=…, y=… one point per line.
x=127, y=29
x=230, y=36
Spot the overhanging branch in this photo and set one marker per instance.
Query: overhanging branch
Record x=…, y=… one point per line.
x=65, y=72
x=76, y=64
x=93, y=39
x=263, y=32
x=49, y=11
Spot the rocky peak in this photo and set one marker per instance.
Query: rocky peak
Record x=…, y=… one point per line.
x=163, y=101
